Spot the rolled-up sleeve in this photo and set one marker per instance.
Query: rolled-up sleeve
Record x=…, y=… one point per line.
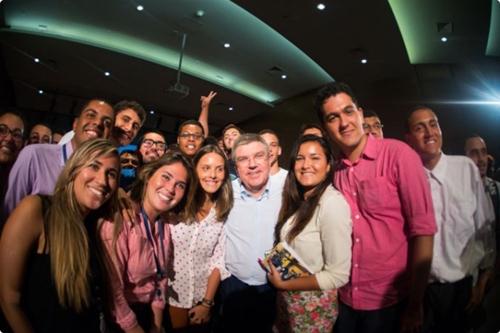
x=335, y=227
x=218, y=257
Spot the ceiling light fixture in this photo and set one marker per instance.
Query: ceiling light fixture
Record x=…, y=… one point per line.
x=231, y=108
x=200, y=13
x=40, y=92
x=152, y=112
x=321, y=6
x=444, y=39
x=364, y=61
x=227, y=45
x=107, y=73
x=283, y=76
x=140, y=8
x=36, y=60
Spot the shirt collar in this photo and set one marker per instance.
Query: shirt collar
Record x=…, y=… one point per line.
x=439, y=171
x=370, y=152
x=244, y=194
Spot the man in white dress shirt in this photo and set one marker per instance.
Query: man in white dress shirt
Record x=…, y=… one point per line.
x=278, y=174
x=464, y=217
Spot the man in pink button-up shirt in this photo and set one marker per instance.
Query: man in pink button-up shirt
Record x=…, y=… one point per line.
x=383, y=181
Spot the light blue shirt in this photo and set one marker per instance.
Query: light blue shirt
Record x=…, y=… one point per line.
x=250, y=231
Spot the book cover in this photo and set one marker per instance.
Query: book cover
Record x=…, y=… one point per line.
x=286, y=261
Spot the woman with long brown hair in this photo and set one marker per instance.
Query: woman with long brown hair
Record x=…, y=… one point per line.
x=198, y=241
x=140, y=249
x=51, y=276
x=315, y=222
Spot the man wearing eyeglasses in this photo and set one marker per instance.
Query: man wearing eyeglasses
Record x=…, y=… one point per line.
x=372, y=124
x=11, y=143
x=190, y=137
x=249, y=234
x=152, y=146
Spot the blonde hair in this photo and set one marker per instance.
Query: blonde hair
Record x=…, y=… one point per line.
x=68, y=239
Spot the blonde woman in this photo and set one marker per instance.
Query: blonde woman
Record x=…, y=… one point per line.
x=140, y=250
x=199, y=241
x=50, y=258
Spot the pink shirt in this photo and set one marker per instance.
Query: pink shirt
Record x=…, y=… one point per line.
x=198, y=250
x=135, y=264
x=390, y=202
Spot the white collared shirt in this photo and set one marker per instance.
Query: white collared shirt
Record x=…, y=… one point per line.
x=464, y=217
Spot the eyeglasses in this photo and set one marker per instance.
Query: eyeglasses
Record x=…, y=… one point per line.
x=258, y=158
x=195, y=136
x=376, y=126
x=148, y=143
x=131, y=161
x=16, y=134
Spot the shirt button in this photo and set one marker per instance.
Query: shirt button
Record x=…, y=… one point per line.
x=357, y=240
x=354, y=193
x=356, y=265
x=356, y=216
x=355, y=288
x=351, y=170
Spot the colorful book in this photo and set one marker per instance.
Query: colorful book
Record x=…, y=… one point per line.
x=286, y=261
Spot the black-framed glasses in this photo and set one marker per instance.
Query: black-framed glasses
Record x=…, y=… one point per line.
x=195, y=136
x=148, y=143
x=16, y=134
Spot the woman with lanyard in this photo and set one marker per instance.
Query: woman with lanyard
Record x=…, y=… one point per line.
x=52, y=261
x=140, y=249
x=199, y=241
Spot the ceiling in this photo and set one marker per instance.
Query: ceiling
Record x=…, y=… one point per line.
x=77, y=41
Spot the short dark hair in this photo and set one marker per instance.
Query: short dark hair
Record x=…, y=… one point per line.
x=310, y=125
x=367, y=113
x=133, y=105
x=331, y=89
x=84, y=106
x=229, y=126
x=191, y=122
x=15, y=112
x=270, y=131
x=410, y=113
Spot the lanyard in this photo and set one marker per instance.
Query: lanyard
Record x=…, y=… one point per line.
x=160, y=273
x=65, y=153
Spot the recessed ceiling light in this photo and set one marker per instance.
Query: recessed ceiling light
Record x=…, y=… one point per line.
x=227, y=45
x=36, y=60
x=444, y=39
x=364, y=61
x=321, y=6
x=140, y=8
x=231, y=108
x=107, y=73
x=152, y=111
x=40, y=92
x=283, y=76
x=200, y=13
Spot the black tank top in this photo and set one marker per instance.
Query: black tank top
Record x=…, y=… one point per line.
x=39, y=296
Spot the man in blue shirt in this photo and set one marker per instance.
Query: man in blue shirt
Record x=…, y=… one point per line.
x=248, y=301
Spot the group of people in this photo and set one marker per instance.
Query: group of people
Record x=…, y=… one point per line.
x=104, y=236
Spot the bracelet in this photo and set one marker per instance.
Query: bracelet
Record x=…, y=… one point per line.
x=207, y=303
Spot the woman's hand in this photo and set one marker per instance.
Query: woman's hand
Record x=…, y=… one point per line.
x=274, y=277
x=199, y=314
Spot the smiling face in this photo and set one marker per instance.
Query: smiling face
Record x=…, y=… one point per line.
x=127, y=125
x=11, y=142
x=210, y=171
x=190, y=139
x=40, y=134
x=96, y=181
x=152, y=147
x=344, y=123
x=95, y=121
x=425, y=136
x=165, y=188
x=252, y=164
x=311, y=166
